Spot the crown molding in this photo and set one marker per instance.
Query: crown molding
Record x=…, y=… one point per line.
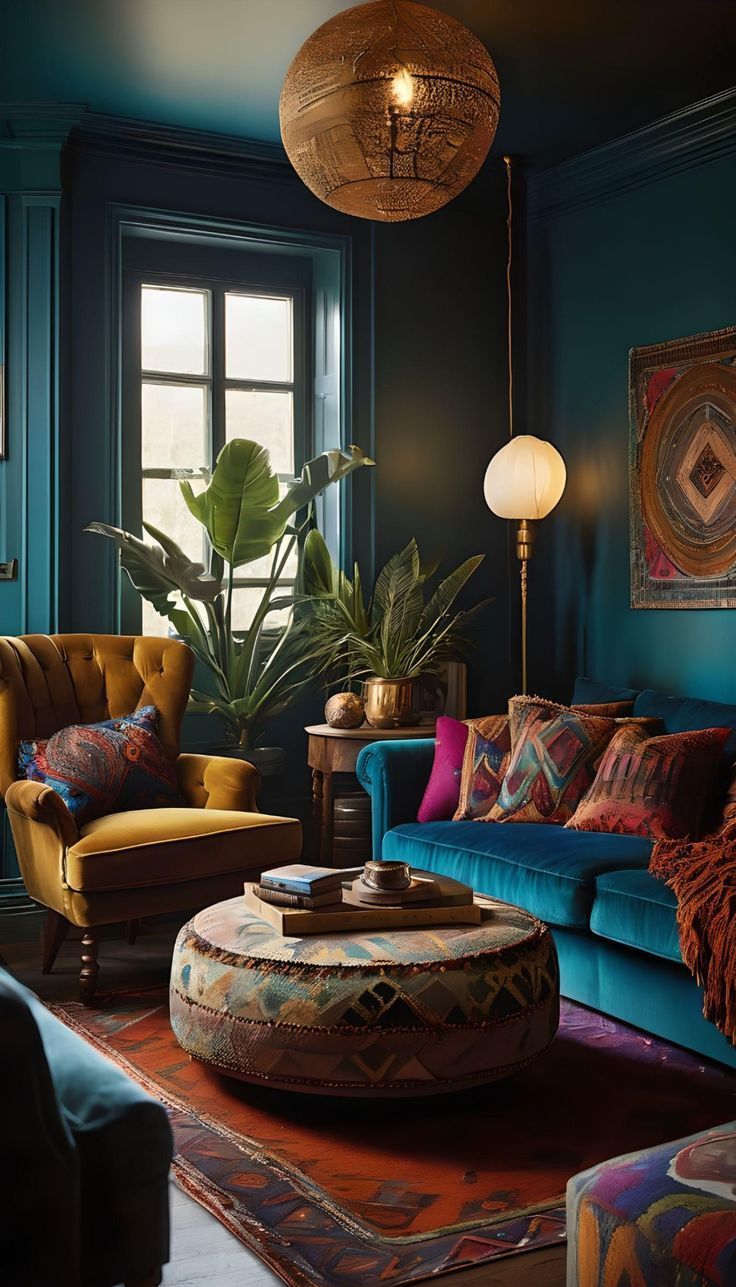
x=702, y=132
x=42, y=124
x=181, y=147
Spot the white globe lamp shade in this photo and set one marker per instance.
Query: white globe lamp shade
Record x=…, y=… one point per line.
x=525, y=479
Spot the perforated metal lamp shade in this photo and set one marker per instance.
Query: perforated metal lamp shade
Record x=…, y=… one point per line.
x=388, y=110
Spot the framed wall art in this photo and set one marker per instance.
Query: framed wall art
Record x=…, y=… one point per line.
x=682, y=472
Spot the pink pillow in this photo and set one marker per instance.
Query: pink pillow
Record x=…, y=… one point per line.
x=443, y=789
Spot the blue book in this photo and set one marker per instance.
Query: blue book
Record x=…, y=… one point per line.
x=301, y=878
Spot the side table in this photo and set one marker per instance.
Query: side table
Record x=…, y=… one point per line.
x=336, y=750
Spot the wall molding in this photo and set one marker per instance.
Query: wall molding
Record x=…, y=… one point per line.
x=692, y=136
x=183, y=148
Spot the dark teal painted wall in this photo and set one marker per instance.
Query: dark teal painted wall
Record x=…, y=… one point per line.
x=653, y=262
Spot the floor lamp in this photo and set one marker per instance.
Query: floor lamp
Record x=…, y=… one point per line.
x=526, y=478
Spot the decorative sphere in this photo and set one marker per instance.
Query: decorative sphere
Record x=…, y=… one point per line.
x=388, y=110
x=345, y=710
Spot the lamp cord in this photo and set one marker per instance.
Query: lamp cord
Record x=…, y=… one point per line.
x=509, y=222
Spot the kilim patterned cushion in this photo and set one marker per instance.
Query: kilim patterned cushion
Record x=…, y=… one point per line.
x=653, y=786
x=487, y=752
x=377, y=1012
x=665, y=1215
x=554, y=756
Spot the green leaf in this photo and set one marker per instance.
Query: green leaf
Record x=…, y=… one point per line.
x=157, y=571
x=318, y=568
x=237, y=507
x=448, y=590
x=316, y=475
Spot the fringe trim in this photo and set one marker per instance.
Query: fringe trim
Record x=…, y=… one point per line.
x=702, y=875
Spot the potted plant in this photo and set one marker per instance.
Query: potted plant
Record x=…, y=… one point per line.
x=396, y=638
x=254, y=675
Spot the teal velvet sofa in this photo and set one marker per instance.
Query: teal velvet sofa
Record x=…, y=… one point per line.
x=614, y=924
x=86, y=1156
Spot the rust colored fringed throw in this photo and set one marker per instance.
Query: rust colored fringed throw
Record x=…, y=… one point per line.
x=702, y=874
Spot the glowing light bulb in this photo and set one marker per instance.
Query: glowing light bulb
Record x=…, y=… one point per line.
x=402, y=87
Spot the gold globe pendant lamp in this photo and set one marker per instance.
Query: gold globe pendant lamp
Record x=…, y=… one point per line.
x=389, y=109
x=526, y=478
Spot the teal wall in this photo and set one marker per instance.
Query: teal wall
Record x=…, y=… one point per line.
x=632, y=244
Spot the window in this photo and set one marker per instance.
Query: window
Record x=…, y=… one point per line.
x=217, y=360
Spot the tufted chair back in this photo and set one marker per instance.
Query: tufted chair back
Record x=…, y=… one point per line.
x=50, y=681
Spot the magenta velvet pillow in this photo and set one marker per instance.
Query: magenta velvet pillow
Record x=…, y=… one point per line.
x=441, y=797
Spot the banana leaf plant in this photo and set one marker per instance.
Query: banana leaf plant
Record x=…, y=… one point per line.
x=395, y=635
x=256, y=674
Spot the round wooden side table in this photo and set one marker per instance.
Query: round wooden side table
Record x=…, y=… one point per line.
x=335, y=750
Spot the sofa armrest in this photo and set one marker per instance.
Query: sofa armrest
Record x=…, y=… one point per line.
x=218, y=782
x=395, y=775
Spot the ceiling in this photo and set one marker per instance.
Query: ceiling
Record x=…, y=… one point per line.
x=574, y=73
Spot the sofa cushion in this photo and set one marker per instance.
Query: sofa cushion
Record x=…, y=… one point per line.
x=634, y=908
x=158, y=846
x=546, y=869
x=680, y=714
x=591, y=691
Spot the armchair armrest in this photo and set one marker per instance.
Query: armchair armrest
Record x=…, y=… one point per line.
x=395, y=775
x=36, y=802
x=218, y=782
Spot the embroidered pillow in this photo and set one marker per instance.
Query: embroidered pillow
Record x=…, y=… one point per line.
x=440, y=799
x=653, y=786
x=555, y=753
x=487, y=751
x=104, y=768
x=610, y=710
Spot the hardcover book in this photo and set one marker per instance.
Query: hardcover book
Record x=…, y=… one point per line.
x=302, y=878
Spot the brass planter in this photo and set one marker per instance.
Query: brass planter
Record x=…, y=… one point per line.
x=390, y=703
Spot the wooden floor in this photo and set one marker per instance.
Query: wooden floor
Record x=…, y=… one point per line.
x=202, y=1250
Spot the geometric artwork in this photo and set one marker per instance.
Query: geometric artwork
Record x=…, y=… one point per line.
x=682, y=458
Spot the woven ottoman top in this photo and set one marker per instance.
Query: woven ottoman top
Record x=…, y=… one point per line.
x=406, y=1011
x=230, y=928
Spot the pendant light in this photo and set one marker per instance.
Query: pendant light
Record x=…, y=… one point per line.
x=388, y=110
x=526, y=478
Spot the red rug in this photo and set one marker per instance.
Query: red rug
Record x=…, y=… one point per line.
x=334, y=1193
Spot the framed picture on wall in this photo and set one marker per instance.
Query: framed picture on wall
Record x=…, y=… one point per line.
x=682, y=472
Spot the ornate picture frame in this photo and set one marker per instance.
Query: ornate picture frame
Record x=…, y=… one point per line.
x=682, y=472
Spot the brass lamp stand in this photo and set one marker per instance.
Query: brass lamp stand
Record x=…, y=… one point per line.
x=524, y=549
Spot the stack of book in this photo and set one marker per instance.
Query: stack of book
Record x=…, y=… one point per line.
x=302, y=886
x=300, y=899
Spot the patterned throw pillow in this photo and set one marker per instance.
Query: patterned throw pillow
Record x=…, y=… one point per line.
x=555, y=753
x=487, y=752
x=611, y=710
x=653, y=786
x=104, y=768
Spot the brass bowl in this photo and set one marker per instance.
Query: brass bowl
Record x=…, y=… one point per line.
x=386, y=875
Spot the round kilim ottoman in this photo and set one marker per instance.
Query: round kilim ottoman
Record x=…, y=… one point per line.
x=400, y=1012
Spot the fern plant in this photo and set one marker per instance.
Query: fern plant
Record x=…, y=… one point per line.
x=396, y=635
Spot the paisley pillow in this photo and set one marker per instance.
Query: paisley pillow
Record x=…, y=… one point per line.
x=104, y=768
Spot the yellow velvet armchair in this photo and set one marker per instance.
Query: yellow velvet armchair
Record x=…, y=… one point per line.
x=125, y=865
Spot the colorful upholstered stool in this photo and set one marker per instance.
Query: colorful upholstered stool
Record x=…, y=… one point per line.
x=380, y=1012
x=665, y=1217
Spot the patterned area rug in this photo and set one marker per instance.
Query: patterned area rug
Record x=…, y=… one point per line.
x=334, y=1193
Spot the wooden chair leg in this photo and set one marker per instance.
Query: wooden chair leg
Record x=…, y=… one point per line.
x=90, y=967
x=55, y=929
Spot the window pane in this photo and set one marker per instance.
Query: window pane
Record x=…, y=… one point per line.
x=246, y=600
x=257, y=338
x=267, y=418
x=173, y=330
x=173, y=426
x=164, y=507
